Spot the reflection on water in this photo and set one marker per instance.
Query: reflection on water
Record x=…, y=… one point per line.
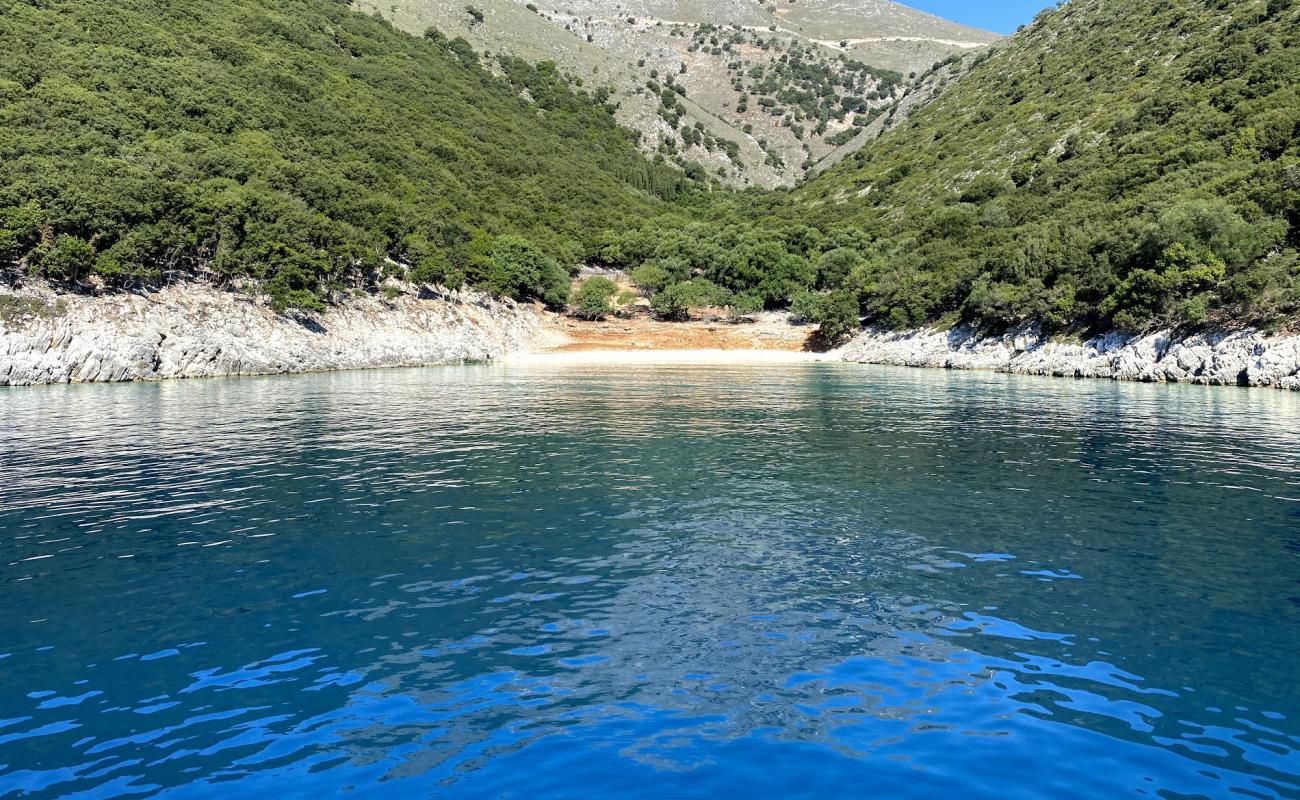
x=823, y=580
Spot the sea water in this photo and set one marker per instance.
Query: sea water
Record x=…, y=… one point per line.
x=639, y=582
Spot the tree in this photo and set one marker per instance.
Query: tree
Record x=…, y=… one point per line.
x=518, y=268
x=833, y=266
x=807, y=306
x=592, y=299
x=744, y=306
x=676, y=301
x=839, y=316
x=651, y=277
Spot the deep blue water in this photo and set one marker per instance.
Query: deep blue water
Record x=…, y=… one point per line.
x=536, y=582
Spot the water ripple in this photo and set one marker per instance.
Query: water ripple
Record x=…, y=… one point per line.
x=517, y=581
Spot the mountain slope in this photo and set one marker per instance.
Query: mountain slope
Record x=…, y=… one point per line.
x=296, y=142
x=756, y=92
x=1116, y=163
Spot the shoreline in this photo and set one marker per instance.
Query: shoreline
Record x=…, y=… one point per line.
x=195, y=330
x=198, y=331
x=713, y=356
x=1245, y=358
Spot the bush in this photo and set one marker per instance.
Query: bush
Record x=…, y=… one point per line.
x=984, y=188
x=651, y=277
x=676, y=301
x=67, y=258
x=833, y=266
x=517, y=268
x=592, y=300
x=839, y=316
x=20, y=229
x=807, y=306
x=744, y=306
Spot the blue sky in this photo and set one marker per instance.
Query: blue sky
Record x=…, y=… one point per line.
x=1001, y=16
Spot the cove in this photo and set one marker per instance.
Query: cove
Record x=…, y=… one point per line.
x=531, y=580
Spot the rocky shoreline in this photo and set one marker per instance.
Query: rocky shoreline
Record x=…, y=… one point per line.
x=1241, y=358
x=196, y=330
x=200, y=331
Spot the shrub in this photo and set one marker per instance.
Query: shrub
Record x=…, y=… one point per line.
x=807, y=306
x=833, y=266
x=744, y=306
x=592, y=298
x=20, y=229
x=517, y=268
x=67, y=258
x=839, y=316
x=226, y=145
x=984, y=188
x=651, y=278
x=676, y=301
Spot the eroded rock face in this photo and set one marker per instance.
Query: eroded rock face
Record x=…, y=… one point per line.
x=1244, y=358
x=198, y=331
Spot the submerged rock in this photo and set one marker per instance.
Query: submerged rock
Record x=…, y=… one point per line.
x=1245, y=358
x=200, y=331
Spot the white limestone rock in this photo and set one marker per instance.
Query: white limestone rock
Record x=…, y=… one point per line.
x=1248, y=358
x=200, y=331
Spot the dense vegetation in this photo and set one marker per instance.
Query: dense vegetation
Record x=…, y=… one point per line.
x=298, y=143
x=1115, y=164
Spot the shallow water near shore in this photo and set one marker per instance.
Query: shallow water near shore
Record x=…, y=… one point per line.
x=602, y=580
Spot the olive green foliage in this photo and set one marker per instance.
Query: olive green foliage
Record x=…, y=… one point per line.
x=1117, y=163
x=592, y=298
x=836, y=312
x=807, y=305
x=297, y=143
x=518, y=268
x=676, y=301
x=651, y=277
x=741, y=307
x=838, y=315
x=733, y=263
x=768, y=262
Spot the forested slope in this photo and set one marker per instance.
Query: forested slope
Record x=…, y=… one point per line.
x=296, y=142
x=1119, y=162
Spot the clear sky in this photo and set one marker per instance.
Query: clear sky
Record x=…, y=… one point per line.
x=1001, y=16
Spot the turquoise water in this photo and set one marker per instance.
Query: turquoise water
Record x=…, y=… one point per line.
x=536, y=582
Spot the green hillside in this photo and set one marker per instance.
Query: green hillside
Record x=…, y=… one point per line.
x=1119, y=163
x=1116, y=163
x=765, y=85
x=295, y=142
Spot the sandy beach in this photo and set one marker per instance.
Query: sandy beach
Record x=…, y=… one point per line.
x=706, y=356
x=641, y=339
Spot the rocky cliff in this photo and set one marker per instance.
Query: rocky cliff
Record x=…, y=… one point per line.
x=199, y=331
x=1243, y=358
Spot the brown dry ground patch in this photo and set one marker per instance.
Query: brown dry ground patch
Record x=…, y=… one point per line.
x=646, y=333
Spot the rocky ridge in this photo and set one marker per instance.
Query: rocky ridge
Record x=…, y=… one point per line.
x=754, y=128
x=199, y=331
x=1241, y=358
